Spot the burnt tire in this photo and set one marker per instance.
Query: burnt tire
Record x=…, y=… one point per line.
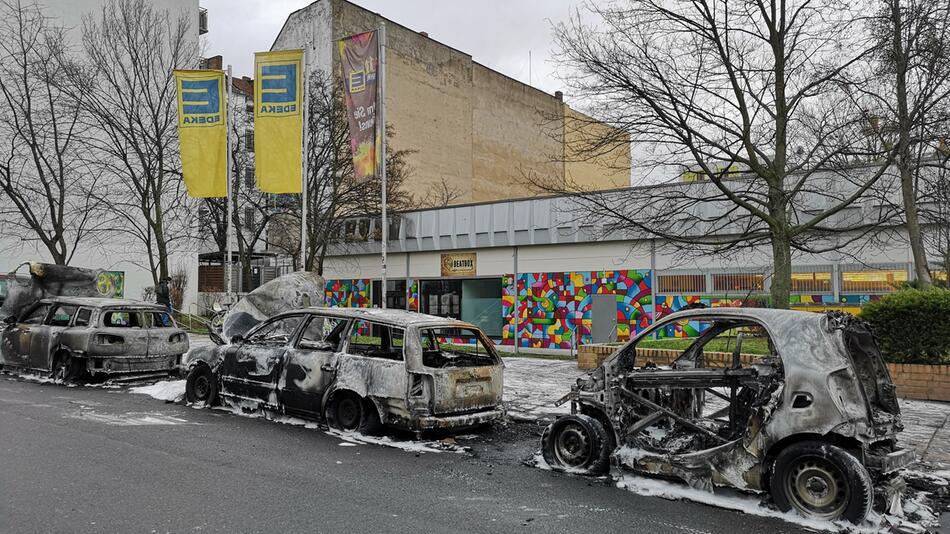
x=349, y=412
x=576, y=444
x=200, y=386
x=821, y=480
x=66, y=369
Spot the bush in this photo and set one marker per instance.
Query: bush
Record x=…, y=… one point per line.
x=912, y=326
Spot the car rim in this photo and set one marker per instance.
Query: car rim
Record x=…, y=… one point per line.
x=202, y=387
x=817, y=487
x=573, y=445
x=348, y=414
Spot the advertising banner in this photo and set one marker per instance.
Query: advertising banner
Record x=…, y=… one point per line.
x=278, y=120
x=359, y=55
x=202, y=132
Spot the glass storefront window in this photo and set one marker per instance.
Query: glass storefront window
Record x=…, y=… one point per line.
x=872, y=281
x=441, y=297
x=395, y=294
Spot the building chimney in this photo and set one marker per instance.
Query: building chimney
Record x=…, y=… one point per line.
x=559, y=95
x=424, y=34
x=213, y=62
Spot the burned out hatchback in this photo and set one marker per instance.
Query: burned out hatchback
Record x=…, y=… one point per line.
x=810, y=416
x=73, y=338
x=357, y=369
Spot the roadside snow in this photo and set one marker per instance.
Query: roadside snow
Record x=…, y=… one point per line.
x=167, y=390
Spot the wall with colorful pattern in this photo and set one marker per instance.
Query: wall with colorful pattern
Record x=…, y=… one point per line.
x=349, y=293
x=554, y=309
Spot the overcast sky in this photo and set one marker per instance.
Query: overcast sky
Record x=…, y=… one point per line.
x=497, y=33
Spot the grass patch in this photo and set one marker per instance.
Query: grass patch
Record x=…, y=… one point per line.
x=750, y=345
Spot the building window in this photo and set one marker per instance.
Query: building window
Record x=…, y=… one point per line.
x=732, y=282
x=249, y=140
x=250, y=214
x=681, y=283
x=249, y=182
x=877, y=281
x=811, y=282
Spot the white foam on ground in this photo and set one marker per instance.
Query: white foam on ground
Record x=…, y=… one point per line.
x=166, y=390
x=349, y=439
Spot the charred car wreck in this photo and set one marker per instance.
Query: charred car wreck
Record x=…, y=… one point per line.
x=357, y=369
x=73, y=338
x=814, y=422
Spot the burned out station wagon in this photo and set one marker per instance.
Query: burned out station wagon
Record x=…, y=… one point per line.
x=358, y=369
x=77, y=337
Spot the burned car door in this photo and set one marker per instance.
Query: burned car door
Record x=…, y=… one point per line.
x=122, y=333
x=251, y=368
x=45, y=337
x=17, y=337
x=311, y=364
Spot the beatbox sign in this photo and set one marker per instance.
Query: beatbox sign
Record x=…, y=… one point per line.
x=458, y=264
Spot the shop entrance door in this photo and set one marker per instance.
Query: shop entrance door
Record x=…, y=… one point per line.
x=603, y=318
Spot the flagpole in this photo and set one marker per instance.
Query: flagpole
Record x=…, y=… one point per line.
x=304, y=182
x=382, y=129
x=230, y=227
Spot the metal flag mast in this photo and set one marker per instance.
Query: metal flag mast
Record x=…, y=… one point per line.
x=306, y=156
x=229, y=267
x=381, y=124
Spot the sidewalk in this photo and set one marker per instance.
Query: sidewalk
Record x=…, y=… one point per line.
x=532, y=386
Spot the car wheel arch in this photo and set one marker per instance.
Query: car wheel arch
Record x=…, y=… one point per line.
x=367, y=400
x=849, y=444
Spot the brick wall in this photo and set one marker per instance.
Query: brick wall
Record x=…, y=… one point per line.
x=921, y=382
x=913, y=381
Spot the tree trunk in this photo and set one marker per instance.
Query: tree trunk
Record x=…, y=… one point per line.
x=908, y=185
x=781, y=286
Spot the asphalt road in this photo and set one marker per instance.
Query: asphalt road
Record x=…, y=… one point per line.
x=99, y=460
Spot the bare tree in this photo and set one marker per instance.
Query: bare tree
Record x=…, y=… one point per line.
x=334, y=196
x=441, y=194
x=913, y=63
x=750, y=97
x=126, y=86
x=45, y=186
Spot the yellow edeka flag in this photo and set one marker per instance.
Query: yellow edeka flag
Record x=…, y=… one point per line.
x=202, y=131
x=278, y=120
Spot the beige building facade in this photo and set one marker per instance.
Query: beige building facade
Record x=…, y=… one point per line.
x=480, y=134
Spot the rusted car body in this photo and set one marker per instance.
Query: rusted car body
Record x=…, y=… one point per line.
x=357, y=369
x=75, y=337
x=814, y=422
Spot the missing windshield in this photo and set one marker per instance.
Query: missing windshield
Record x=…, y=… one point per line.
x=455, y=347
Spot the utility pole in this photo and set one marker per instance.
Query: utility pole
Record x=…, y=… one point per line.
x=381, y=124
x=229, y=267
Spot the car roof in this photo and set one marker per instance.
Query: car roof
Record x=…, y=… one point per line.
x=402, y=318
x=100, y=302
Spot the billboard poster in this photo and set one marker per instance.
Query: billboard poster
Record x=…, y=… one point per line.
x=359, y=60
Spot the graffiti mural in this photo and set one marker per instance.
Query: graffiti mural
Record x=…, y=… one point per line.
x=111, y=284
x=349, y=293
x=412, y=295
x=554, y=309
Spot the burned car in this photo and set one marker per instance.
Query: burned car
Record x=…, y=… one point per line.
x=72, y=338
x=813, y=422
x=356, y=369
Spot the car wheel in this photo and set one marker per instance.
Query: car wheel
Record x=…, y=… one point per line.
x=823, y=481
x=370, y=424
x=200, y=386
x=66, y=369
x=345, y=412
x=576, y=444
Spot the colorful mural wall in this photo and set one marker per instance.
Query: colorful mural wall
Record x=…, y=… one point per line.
x=554, y=309
x=412, y=295
x=349, y=293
